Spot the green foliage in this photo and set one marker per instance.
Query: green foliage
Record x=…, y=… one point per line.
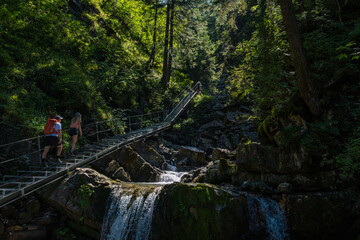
x=348, y=161
x=85, y=192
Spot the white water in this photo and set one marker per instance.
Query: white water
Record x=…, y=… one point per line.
x=266, y=213
x=128, y=218
x=170, y=176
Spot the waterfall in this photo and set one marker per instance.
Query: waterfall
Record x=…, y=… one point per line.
x=129, y=215
x=170, y=177
x=266, y=216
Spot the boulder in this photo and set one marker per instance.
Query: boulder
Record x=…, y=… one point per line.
x=224, y=142
x=218, y=153
x=191, y=156
x=83, y=197
x=257, y=158
x=138, y=169
x=122, y=175
x=148, y=154
x=199, y=212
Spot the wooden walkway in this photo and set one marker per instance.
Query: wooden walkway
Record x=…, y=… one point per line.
x=14, y=187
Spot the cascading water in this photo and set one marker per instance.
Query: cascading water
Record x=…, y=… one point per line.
x=129, y=215
x=170, y=177
x=266, y=216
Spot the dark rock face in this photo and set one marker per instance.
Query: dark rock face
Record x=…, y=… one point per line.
x=218, y=153
x=191, y=157
x=198, y=212
x=326, y=215
x=127, y=165
x=138, y=169
x=83, y=197
x=148, y=154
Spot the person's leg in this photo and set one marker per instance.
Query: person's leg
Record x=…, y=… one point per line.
x=46, y=150
x=58, y=152
x=75, y=139
x=44, y=162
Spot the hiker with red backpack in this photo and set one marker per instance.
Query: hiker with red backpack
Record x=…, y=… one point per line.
x=53, y=137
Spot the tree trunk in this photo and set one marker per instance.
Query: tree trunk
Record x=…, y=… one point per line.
x=166, y=44
x=171, y=40
x=306, y=84
x=153, y=49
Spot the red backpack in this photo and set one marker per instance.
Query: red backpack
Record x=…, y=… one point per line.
x=50, y=127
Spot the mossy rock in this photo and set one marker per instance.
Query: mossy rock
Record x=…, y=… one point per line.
x=198, y=212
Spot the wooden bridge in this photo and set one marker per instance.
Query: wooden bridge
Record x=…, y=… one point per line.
x=14, y=187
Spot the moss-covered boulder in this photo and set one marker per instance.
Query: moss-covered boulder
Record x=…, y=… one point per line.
x=83, y=197
x=199, y=212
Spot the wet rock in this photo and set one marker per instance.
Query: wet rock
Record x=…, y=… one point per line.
x=148, y=154
x=198, y=212
x=191, y=156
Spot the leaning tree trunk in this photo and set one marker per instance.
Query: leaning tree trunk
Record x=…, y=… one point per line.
x=306, y=84
x=166, y=44
x=171, y=41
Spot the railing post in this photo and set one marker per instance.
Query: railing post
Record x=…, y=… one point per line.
x=97, y=131
x=39, y=148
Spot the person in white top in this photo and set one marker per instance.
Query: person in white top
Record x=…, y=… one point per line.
x=53, y=139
